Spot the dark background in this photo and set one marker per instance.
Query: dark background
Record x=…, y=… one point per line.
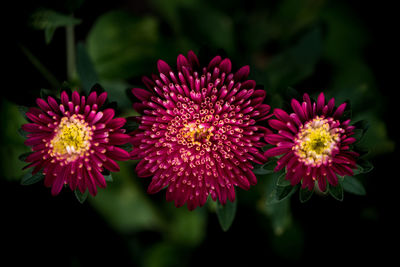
x=41, y=230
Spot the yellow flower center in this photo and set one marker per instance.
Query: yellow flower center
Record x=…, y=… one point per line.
x=316, y=141
x=72, y=139
x=196, y=134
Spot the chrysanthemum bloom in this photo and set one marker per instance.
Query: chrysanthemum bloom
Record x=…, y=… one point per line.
x=73, y=141
x=198, y=132
x=315, y=143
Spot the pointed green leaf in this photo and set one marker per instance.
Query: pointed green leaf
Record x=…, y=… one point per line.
x=49, y=20
x=282, y=180
x=122, y=45
x=130, y=125
x=354, y=186
x=280, y=216
x=108, y=178
x=365, y=165
x=85, y=68
x=48, y=33
x=44, y=93
x=226, y=214
x=280, y=193
x=23, y=110
x=305, y=194
x=336, y=191
x=23, y=133
x=23, y=156
x=29, y=179
x=267, y=168
x=81, y=197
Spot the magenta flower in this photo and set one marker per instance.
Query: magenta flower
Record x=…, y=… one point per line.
x=198, y=133
x=73, y=141
x=314, y=142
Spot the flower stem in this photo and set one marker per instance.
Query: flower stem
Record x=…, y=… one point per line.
x=40, y=67
x=70, y=46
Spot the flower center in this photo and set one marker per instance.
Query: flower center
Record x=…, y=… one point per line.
x=72, y=138
x=196, y=134
x=316, y=142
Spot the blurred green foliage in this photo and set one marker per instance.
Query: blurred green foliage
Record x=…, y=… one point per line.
x=284, y=43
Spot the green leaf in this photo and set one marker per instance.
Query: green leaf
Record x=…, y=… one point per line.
x=354, y=186
x=336, y=191
x=297, y=62
x=29, y=179
x=44, y=93
x=122, y=45
x=23, y=110
x=23, y=133
x=125, y=205
x=226, y=214
x=281, y=181
x=365, y=165
x=267, y=168
x=23, y=156
x=108, y=178
x=130, y=126
x=85, y=69
x=11, y=143
x=280, y=216
x=81, y=197
x=280, y=193
x=218, y=28
x=305, y=194
x=49, y=20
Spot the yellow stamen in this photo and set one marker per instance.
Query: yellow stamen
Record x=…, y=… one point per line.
x=72, y=139
x=316, y=141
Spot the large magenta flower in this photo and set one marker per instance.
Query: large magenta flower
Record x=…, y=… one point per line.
x=198, y=132
x=315, y=142
x=73, y=141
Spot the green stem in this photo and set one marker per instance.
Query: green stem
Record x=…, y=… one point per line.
x=70, y=44
x=40, y=67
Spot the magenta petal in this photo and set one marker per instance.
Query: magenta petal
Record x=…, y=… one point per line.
x=163, y=67
x=226, y=65
x=274, y=138
x=111, y=165
x=282, y=115
x=42, y=104
x=277, y=125
x=298, y=109
x=99, y=178
x=322, y=183
x=108, y=114
x=182, y=61
x=320, y=102
x=101, y=99
x=53, y=104
x=193, y=59
x=339, y=111
x=64, y=98
x=118, y=138
x=58, y=182
x=214, y=62
x=331, y=105
x=76, y=98
x=92, y=99
x=116, y=123
x=118, y=154
x=141, y=94
x=276, y=151
x=242, y=73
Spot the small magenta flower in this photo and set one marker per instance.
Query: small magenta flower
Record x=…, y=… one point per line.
x=73, y=142
x=315, y=143
x=198, y=133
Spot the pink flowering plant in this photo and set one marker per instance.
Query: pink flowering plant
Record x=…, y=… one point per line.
x=172, y=120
